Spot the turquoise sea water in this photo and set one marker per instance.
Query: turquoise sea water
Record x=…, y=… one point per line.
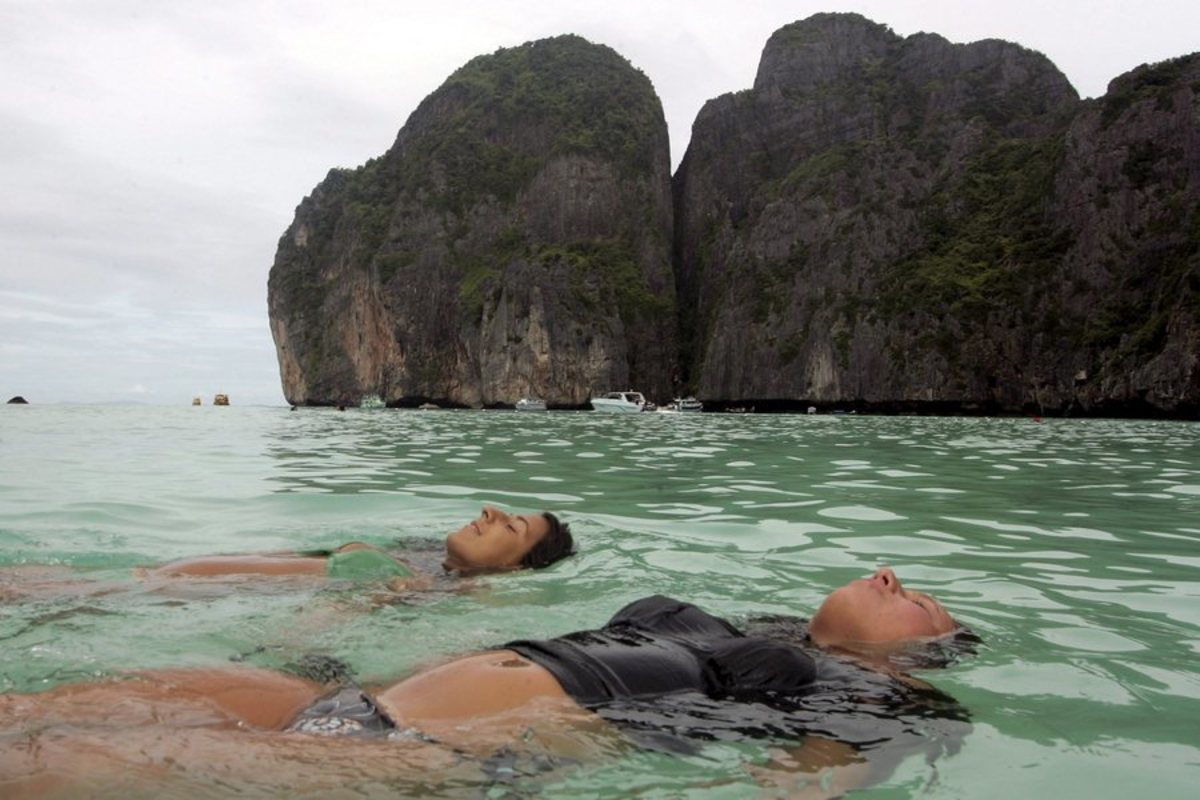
x=1071, y=546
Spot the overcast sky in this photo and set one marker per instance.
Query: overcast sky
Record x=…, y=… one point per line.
x=152, y=153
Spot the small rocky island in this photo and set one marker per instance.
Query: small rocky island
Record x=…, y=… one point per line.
x=879, y=222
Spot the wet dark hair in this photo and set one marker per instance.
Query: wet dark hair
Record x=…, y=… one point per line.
x=556, y=545
x=945, y=651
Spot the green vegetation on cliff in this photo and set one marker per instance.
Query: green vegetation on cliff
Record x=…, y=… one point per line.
x=487, y=131
x=1149, y=82
x=988, y=239
x=597, y=102
x=502, y=116
x=611, y=265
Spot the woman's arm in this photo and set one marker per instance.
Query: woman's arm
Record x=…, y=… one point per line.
x=352, y=560
x=216, y=566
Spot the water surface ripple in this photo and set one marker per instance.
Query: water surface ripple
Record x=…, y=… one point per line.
x=1070, y=546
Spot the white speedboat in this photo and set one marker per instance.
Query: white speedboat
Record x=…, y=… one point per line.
x=619, y=402
x=687, y=404
x=531, y=404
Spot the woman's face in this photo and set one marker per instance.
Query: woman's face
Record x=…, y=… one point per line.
x=494, y=541
x=876, y=610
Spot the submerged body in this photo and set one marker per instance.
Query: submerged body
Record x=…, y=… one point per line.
x=662, y=673
x=672, y=675
x=496, y=541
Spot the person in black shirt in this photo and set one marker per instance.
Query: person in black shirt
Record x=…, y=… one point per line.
x=664, y=673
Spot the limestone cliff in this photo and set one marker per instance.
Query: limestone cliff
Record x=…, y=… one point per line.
x=881, y=221
x=1129, y=286
x=515, y=240
x=906, y=222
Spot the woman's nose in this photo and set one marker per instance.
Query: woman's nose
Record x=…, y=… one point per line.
x=889, y=580
x=489, y=513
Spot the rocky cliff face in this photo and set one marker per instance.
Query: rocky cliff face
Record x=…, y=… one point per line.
x=904, y=222
x=1129, y=286
x=515, y=240
x=899, y=223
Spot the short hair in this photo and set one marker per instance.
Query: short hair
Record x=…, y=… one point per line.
x=556, y=545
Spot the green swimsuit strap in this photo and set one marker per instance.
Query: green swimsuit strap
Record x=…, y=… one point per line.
x=363, y=565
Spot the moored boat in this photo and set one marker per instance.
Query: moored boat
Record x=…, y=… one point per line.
x=688, y=403
x=531, y=404
x=620, y=402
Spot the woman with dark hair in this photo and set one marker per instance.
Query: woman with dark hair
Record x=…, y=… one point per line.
x=663, y=672
x=495, y=541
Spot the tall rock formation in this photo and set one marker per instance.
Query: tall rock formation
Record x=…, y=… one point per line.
x=906, y=222
x=1129, y=288
x=515, y=240
x=882, y=221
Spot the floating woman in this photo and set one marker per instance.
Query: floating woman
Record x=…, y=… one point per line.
x=661, y=674
x=496, y=541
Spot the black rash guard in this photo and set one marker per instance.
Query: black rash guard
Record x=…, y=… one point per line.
x=658, y=646
x=672, y=676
